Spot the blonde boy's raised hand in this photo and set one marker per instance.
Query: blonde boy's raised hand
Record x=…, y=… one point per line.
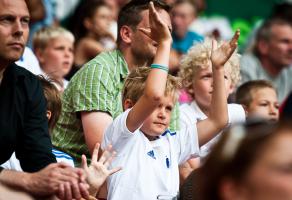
x=219, y=56
x=98, y=171
x=159, y=31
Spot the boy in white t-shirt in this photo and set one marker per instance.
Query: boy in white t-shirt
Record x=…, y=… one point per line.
x=146, y=150
x=198, y=81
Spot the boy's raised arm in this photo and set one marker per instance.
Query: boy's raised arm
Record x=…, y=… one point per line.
x=156, y=80
x=218, y=116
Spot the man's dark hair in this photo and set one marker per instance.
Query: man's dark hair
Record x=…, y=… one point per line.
x=130, y=14
x=265, y=31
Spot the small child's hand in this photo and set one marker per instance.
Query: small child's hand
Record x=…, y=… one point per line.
x=159, y=31
x=219, y=56
x=98, y=170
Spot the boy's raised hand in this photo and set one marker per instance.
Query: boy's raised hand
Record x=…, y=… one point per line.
x=98, y=171
x=219, y=56
x=159, y=31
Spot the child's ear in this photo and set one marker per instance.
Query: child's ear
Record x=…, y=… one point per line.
x=245, y=108
x=128, y=104
x=87, y=23
x=126, y=33
x=49, y=115
x=40, y=55
x=231, y=89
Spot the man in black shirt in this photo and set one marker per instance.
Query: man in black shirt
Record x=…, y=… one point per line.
x=23, y=122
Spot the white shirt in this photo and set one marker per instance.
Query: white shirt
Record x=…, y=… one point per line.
x=14, y=164
x=30, y=62
x=150, y=168
x=191, y=113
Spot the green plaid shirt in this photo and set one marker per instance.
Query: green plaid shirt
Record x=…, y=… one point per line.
x=97, y=86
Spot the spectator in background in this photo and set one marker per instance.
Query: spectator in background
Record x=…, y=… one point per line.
x=249, y=162
x=259, y=99
x=43, y=16
x=92, y=31
x=53, y=46
x=182, y=15
x=271, y=58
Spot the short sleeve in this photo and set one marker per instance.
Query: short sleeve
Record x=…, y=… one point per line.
x=95, y=88
x=117, y=134
x=188, y=143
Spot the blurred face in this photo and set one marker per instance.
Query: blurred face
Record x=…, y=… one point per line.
x=182, y=16
x=264, y=104
x=57, y=58
x=270, y=178
x=142, y=47
x=159, y=120
x=279, y=48
x=14, y=28
x=101, y=21
x=203, y=87
x=113, y=6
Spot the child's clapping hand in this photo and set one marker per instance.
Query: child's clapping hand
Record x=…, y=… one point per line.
x=97, y=172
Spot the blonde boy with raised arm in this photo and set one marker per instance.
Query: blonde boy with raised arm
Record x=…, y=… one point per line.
x=146, y=150
x=199, y=81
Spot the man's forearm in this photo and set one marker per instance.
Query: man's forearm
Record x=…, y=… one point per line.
x=14, y=179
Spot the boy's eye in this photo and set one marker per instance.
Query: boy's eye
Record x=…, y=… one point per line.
x=169, y=108
x=263, y=104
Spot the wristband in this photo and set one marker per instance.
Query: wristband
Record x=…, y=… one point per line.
x=158, y=66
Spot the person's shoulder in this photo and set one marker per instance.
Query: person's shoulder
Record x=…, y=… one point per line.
x=195, y=36
x=236, y=113
x=22, y=73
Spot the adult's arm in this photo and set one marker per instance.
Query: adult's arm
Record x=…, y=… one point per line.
x=48, y=181
x=94, y=124
x=34, y=148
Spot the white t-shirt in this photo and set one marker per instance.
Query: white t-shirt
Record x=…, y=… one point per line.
x=30, y=62
x=191, y=113
x=14, y=164
x=150, y=168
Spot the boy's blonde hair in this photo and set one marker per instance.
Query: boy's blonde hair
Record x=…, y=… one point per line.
x=244, y=92
x=199, y=57
x=136, y=80
x=43, y=36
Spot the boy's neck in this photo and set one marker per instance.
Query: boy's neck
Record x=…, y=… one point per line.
x=149, y=137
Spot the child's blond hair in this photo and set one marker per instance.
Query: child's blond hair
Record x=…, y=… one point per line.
x=43, y=36
x=136, y=80
x=199, y=57
x=245, y=91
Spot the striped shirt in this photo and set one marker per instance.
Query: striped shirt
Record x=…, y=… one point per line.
x=97, y=86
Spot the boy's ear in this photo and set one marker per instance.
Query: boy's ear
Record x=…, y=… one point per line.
x=126, y=33
x=128, y=104
x=231, y=89
x=49, y=115
x=39, y=54
x=245, y=109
